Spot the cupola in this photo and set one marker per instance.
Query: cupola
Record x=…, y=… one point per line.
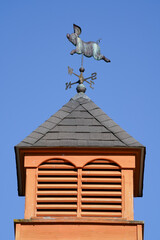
x=79, y=172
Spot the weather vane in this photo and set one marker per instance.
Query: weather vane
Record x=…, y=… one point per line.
x=87, y=49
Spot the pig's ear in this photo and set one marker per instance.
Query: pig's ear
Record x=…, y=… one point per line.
x=77, y=29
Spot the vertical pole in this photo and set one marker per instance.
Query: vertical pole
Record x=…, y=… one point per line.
x=30, y=195
x=139, y=232
x=17, y=231
x=82, y=61
x=127, y=194
x=79, y=192
x=123, y=193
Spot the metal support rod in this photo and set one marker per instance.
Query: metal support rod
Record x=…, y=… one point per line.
x=82, y=61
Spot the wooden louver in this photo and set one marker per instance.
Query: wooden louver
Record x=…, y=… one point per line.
x=101, y=189
x=63, y=190
x=57, y=189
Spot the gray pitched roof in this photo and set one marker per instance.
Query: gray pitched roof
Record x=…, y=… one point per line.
x=79, y=123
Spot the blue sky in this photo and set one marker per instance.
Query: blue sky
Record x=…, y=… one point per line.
x=34, y=56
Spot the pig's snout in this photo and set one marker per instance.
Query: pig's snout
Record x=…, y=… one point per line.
x=68, y=35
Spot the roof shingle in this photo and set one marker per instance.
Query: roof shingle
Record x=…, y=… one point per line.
x=80, y=122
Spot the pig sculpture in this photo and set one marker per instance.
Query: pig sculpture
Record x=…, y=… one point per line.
x=88, y=49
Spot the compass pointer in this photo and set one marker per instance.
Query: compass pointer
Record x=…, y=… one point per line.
x=87, y=78
x=93, y=76
x=69, y=84
x=76, y=74
x=70, y=70
x=81, y=87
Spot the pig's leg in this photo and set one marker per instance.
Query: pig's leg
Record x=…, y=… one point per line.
x=100, y=57
x=73, y=51
x=105, y=59
x=96, y=52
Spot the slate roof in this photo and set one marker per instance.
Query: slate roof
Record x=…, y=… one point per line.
x=79, y=123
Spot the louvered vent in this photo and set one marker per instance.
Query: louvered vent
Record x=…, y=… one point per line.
x=56, y=189
x=63, y=190
x=101, y=189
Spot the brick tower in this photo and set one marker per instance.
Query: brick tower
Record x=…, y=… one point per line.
x=79, y=172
